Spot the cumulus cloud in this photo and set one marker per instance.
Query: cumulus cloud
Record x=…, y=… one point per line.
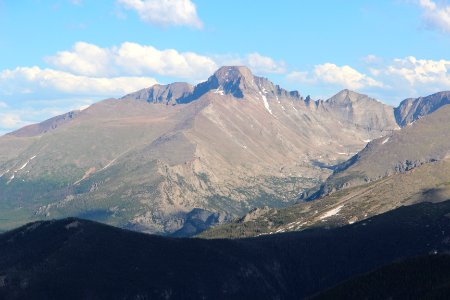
x=32, y=80
x=258, y=63
x=331, y=74
x=83, y=59
x=435, y=16
x=165, y=12
x=10, y=121
x=131, y=59
x=417, y=76
x=264, y=64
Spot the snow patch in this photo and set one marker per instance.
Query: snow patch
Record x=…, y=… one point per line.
x=342, y=153
x=266, y=103
x=11, y=178
x=23, y=166
x=367, y=141
x=219, y=91
x=332, y=212
x=385, y=141
x=1, y=175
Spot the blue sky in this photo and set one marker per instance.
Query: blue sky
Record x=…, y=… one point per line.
x=59, y=55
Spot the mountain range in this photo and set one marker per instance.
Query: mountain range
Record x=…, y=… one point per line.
x=176, y=159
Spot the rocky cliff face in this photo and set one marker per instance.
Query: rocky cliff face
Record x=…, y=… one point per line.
x=411, y=109
x=146, y=161
x=361, y=110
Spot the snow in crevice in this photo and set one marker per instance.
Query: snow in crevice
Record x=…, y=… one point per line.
x=11, y=178
x=23, y=166
x=266, y=103
x=219, y=91
x=1, y=175
x=385, y=141
x=26, y=163
x=331, y=212
x=367, y=141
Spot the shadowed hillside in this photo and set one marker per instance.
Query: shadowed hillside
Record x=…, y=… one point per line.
x=73, y=258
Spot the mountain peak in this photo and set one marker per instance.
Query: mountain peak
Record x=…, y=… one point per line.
x=233, y=73
x=232, y=80
x=348, y=96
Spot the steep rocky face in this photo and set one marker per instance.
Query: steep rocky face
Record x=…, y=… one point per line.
x=166, y=94
x=361, y=110
x=411, y=109
x=225, y=146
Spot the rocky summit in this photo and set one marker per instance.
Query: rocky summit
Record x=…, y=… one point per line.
x=175, y=159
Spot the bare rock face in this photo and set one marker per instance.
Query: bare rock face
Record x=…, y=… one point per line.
x=166, y=94
x=361, y=110
x=169, y=157
x=412, y=109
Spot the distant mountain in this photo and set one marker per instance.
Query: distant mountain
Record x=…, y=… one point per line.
x=423, y=142
x=77, y=259
x=411, y=109
x=410, y=165
x=361, y=110
x=167, y=154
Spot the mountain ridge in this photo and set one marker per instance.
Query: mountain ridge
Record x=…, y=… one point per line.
x=191, y=150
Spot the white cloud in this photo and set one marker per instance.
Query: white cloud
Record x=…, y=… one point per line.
x=84, y=59
x=263, y=64
x=10, y=120
x=165, y=12
x=134, y=58
x=259, y=64
x=131, y=59
x=342, y=76
x=417, y=76
x=436, y=16
x=3, y=104
x=34, y=80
